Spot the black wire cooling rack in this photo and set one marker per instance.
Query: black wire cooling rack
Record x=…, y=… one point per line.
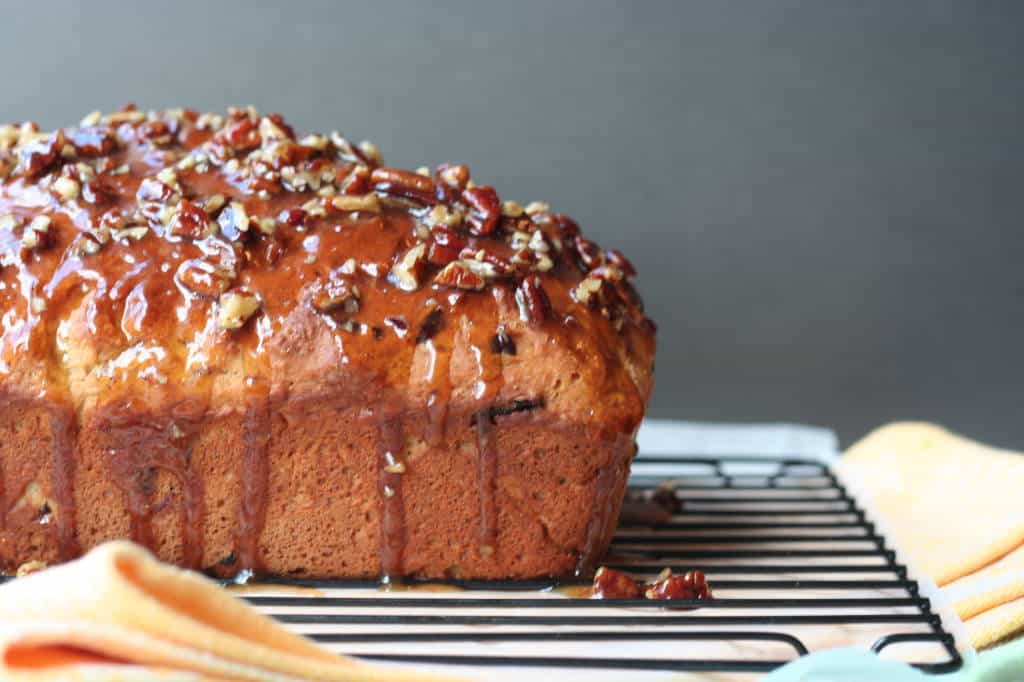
x=794, y=563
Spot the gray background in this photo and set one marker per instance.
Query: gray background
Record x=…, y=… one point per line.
x=824, y=199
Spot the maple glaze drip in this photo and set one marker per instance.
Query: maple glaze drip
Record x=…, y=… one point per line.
x=489, y=382
x=487, y=471
x=440, y=392
x=598, y=526
x=193, y=514
x=255, y=474
x=393, y=533
x=64, y=429
x=141, y=448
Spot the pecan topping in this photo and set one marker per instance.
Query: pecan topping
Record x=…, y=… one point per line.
x=446, y=246
x=453, y=175
x=406, y=273
x=336, y=293
x=66, y=188
x=202, y=278
x=38, y=155
x=99, y=190
x=190, y=221
x=533, y=302
x=483, y=220
x=344, y=202
x=201, y=206
x=37, y=233
x=235, y=308
x=616, y=258
x=401, y=183
x=93, y=140
x=234, y=221
x=241, y=136
x=155, y=191
x=460, y=275
x=588, y=252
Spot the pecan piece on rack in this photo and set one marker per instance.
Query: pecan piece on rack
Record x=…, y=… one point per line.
x=612, y=584
x=690, y=585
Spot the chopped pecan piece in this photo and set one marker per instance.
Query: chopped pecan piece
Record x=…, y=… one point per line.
x=612, y=584
x=38, y=155
x=453, y=175
x=270, y=130
x=589, y=253
x=234, y=221
x=483, y=219
x=408, y=271
x=203, y=278
x=534, y=304
x=190, y=221
x=344, y=202
x=401, y=183
x=66, y=188
x=535, y=207
x=460, y=275
x=235, y=308
x=357, y=181
x=155, y=191
x=92, y=140
x=240, y=136
x=37, y=233
x=99, y=190
x=616, y=258
x=334, y=294
x=446, y=246
x=588, y=291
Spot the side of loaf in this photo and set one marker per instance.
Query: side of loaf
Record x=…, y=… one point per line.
x=253, y=351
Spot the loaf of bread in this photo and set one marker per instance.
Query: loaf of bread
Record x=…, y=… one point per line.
x=252, y=351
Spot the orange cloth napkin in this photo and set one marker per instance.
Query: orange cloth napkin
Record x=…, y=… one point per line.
x=119, y=614
x=955, y=507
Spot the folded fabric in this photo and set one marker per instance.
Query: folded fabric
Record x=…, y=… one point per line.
x=118, y=613
x=953, y=507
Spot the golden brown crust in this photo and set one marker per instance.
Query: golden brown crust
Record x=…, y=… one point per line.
x=227, y=343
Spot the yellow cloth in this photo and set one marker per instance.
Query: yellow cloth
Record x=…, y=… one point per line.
x=118, y=613
x=956, y=508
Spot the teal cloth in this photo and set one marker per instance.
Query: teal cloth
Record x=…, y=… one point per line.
x=1002, y=664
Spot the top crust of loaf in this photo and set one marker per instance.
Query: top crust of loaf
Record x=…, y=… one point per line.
x=154, y=258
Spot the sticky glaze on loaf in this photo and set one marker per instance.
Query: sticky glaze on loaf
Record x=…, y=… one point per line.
x=248, y=350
